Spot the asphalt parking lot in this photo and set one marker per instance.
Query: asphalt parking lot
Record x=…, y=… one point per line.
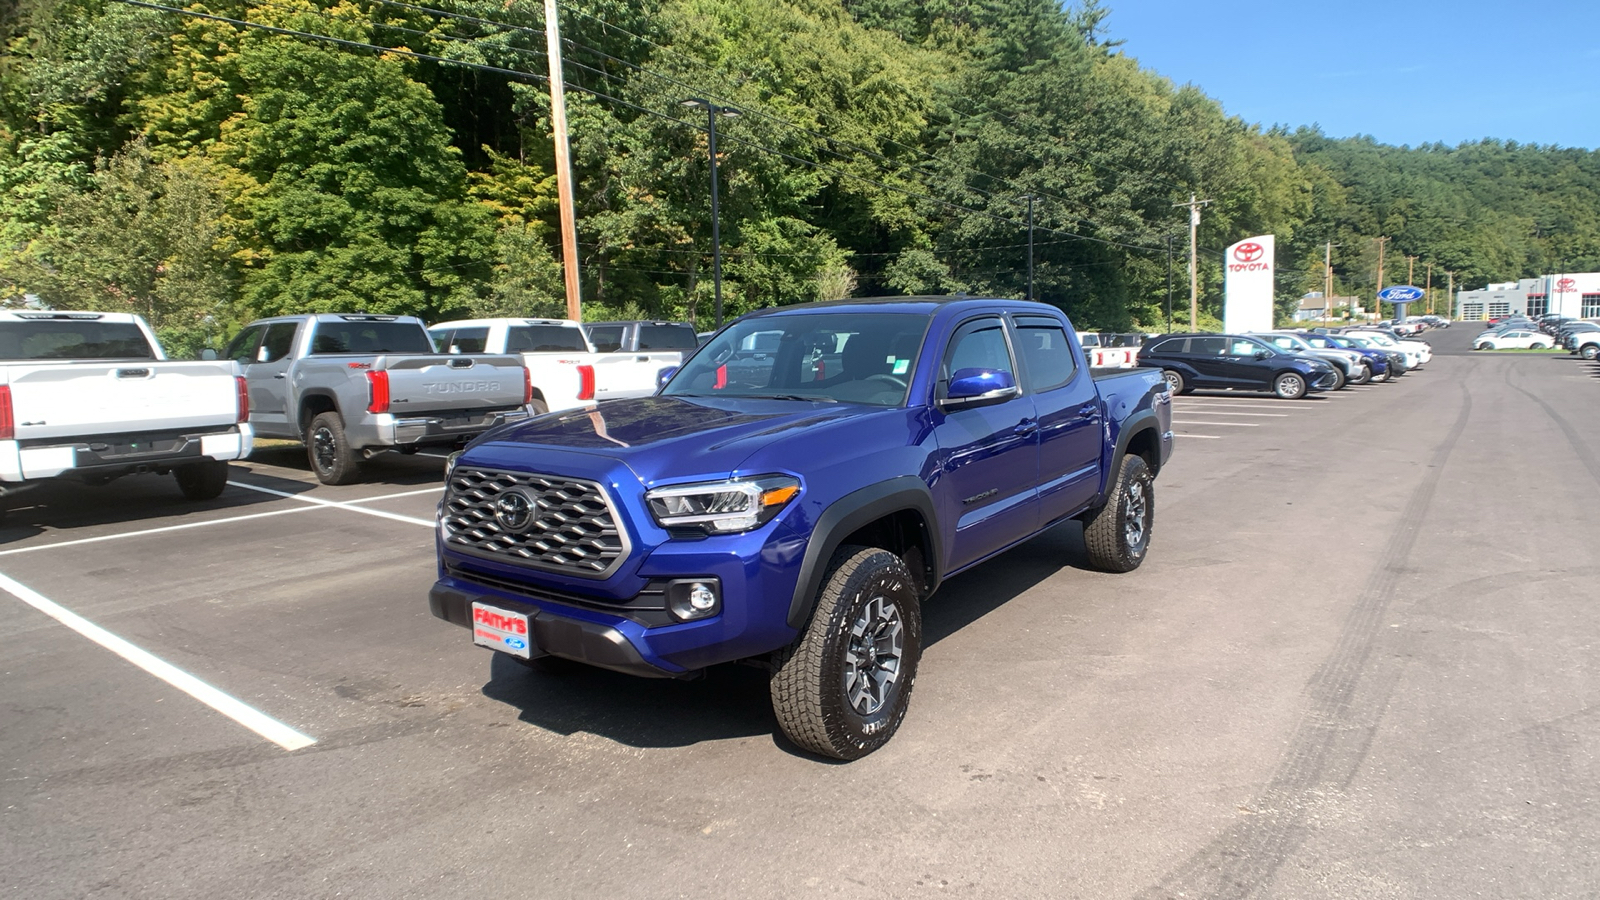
x=1359, y=662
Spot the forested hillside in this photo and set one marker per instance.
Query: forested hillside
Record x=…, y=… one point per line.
x=203, y=170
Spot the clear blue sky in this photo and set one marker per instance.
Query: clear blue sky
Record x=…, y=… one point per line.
x=1404, y=71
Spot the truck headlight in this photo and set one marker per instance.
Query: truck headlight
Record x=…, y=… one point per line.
x=723, y=507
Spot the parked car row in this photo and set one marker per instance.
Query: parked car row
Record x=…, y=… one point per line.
x=1290, y=364
x=92, y=396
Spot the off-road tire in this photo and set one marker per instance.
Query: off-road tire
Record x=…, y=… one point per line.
x=1289, y=386
x=1113, y=546
x=332, y=458
x=202, y=480
x=809, y=681
x=1363, y=375
x=1174, y=380
x=538, y=407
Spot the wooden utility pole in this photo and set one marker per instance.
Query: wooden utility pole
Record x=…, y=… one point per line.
x=1327, y=282
x=1428, y=290
x=1411, y=269
x=558, y=127
x=1452, y=294
x=1377, y=305
x=1194, y=206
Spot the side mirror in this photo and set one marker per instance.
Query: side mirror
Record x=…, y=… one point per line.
x=208, y=354
x=664, y=376
x=979, y=387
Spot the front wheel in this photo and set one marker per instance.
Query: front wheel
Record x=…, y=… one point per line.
x=1289, y=386
x=1590, y=351
x=1485, y=346
x=1174, y=381
x=1363, y=374
x=1339, y=379
x=1538, y=346
x=333, y=460
x=202, y=480
x=1117, y=535
x=842, y=688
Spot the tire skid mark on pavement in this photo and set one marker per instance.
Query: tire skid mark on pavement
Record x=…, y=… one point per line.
x=1332, y=738
x=1580, y=448
x=248, y=716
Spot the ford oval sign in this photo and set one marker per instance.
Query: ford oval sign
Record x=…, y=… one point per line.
x=1400, y=293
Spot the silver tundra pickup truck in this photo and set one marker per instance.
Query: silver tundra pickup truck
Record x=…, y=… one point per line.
x=350, y=386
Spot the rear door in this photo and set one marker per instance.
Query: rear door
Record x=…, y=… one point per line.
x=1070, y=419
x=1208, y=357
x=989, y=455
x=268, y=374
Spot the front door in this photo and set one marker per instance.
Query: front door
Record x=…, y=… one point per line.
x=988, y=456
x=264, y=352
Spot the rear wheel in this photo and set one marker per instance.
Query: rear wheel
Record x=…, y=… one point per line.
x=1485, y=346
x=843, y=687
x=202, y=480
x=1117, y=535
x=1538, y=346
x=1174, y=381
x=1289, y=386
x=539, y=407
x=333, y=461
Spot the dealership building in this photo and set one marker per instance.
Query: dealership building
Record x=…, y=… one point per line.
x=1574, y=295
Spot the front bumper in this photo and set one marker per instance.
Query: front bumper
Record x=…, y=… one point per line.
x=1325, y=381
x=596, y=643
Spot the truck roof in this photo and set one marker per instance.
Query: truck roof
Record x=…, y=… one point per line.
x=504, y=320
x=28, y=315
x=340, y=317
x=916, y=304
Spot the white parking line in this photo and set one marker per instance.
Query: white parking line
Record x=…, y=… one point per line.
x=244, y=518
x=251, y=718
x=129, y=534
x=347, y=504
x=1234, y=424
x=1201, y=412
x=1203, y=437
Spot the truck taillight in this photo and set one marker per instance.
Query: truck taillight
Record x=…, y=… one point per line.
x=8, y=422
x=241, y=393
x=377, y=392
x=586, y=382
x=527, y=386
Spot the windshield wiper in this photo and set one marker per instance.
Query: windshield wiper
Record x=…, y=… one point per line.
x=812, y=397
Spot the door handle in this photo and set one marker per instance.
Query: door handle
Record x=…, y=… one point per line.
x=280, y=375
x=1026, y=427
x=1086, y=411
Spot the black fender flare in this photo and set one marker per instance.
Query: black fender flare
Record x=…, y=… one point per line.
x=303, y=421
x=845, y=516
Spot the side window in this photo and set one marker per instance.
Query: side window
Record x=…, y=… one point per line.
x=243, y=347
x=980, y=344
x=1282, y=343
x=441, y=339
x=468, y=340
x=278, y=343
x=1242, y=347
x=606, y=340
x=1208, y=346
x=1046, y=354
x=1174, y=345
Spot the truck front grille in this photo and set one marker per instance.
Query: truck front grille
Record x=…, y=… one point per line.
x=543, y=521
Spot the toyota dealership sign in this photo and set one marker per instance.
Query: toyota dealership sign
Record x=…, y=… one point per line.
x=1248, y=285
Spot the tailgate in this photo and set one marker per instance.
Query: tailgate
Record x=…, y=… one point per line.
x=625, y=375
x=422, y=384
x=74, y=400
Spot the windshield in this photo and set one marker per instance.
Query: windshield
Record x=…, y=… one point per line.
x=1382, y=340
x=371, y=337
x=72, y=339
x=865, y=358
x=667, y=337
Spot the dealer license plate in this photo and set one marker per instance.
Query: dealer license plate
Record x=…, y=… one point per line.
x=501, y=629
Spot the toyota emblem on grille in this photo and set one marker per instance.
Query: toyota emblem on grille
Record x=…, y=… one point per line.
x=514, y=510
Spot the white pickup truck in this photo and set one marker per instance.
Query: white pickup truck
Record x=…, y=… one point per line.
x=91, y=396
x=1110, y=351
x=565, y=370
x=632, y=354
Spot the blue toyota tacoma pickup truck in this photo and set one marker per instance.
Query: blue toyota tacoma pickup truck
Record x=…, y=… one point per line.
x=793, y=494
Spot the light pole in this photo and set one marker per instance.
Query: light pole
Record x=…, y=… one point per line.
x=1169, y=282
x=712, y=111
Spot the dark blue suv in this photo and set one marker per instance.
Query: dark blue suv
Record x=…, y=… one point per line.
x=1235, y=362
x=795, y=506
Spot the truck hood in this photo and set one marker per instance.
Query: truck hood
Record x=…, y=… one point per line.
x=657, y=437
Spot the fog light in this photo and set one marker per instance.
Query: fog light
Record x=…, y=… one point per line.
x=696, y=598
